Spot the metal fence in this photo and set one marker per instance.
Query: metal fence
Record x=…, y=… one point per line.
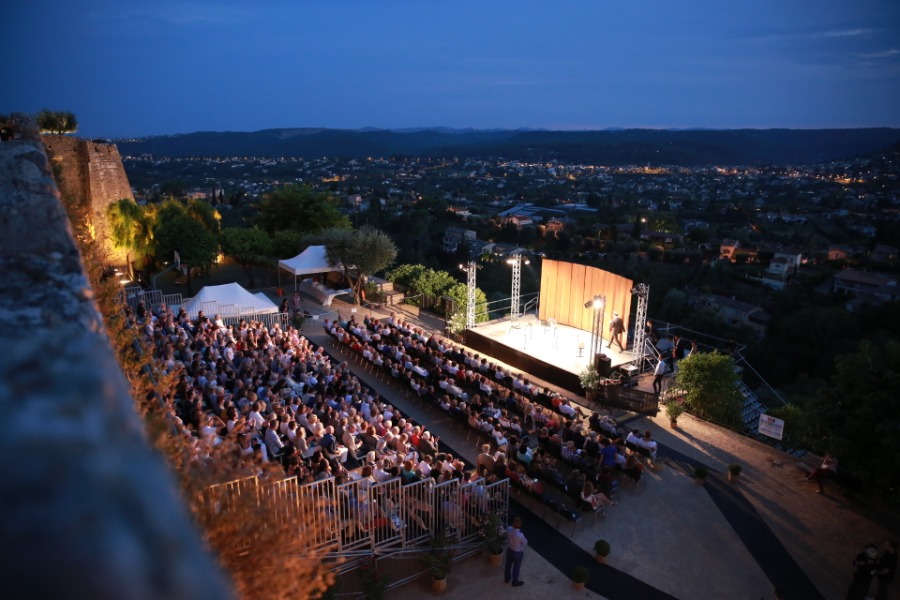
x=361, y=521
x=231, y=314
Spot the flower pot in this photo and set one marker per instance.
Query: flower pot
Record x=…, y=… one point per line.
x=732, y=477
x=673, y=424
x=495, y=559
x=600, y=558
x=438, y=585
x=699, y=480
x=578, y=585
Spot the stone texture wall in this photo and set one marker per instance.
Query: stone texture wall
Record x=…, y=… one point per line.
x=91, y=175
x=87, y=509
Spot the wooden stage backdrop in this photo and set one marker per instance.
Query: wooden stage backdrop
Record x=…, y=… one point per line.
x=565, y=287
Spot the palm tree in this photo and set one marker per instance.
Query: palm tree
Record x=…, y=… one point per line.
x=131, y=229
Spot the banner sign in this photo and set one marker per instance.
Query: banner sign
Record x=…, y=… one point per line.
x=770, y=426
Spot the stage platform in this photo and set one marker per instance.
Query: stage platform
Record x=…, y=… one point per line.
x=552, y=353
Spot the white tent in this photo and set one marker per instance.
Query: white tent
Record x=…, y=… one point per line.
x=228, y=299
x=309, y=262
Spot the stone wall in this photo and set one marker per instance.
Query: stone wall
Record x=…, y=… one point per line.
x=87, y=509
x=91, y=175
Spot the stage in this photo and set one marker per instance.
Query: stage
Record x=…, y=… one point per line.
x=556, y=354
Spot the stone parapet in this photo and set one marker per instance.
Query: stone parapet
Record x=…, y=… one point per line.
x=88, y=509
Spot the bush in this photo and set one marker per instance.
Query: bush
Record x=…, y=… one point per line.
x=735, y=469
x=580, y=574
x=602, y=547
x=701, y=472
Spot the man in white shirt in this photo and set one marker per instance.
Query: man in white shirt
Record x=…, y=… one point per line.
x=515, y=552
x=658, y=373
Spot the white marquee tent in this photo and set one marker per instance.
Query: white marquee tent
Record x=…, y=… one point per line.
x=228, y=299
x=309, y=262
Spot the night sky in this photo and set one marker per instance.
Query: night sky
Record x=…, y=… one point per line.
x=130, y=68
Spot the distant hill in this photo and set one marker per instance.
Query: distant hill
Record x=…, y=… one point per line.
x=607, y=147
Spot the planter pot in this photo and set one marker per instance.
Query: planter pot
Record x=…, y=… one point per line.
x=600, y=558
x=699, y=481
x=438, y=585
x=578, y=585
x=673, y=424
x=495, y=559
x=732, y=477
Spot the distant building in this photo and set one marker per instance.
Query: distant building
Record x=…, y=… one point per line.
x=737, y=313
x=867, y=284
x=519, y=220
x=839, y=252
x=884, y=255
x=728, y=249
x=784, y=263
x=453, y=236
x=460, y=211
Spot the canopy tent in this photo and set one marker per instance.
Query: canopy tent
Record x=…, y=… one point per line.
x=309, y=262
x=228, y=299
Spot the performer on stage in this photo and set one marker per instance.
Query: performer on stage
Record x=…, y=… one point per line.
x=616, y=328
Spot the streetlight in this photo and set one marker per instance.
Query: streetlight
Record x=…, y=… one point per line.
x=598, y=304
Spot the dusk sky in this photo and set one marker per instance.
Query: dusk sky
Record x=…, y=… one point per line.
x=129, y=68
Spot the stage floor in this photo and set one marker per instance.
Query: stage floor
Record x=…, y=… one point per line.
x=557, y=346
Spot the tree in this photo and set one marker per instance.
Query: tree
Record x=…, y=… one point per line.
x=131, y=229
x=57, y=121
x=459, y=293
x=710, y=386
x=202, y=211
x=247, y=247
x=177, y=231
x=299, y=209
x=857, y=418
x=361, y=253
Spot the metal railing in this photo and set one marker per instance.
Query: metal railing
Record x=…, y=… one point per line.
x=365, y=517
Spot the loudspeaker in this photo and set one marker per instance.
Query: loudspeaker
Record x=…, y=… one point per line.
x=603, y=364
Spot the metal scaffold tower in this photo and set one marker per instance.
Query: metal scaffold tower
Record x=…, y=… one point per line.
x=471, y=269
x=516, y=262
x=642, y=291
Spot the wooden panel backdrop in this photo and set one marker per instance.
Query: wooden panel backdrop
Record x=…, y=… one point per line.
x=565, y=287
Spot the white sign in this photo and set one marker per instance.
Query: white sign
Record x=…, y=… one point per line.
x=770, y=426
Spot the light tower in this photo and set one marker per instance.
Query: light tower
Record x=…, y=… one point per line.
x=516, y=261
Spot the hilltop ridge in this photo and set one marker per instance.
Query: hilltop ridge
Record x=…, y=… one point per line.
x=611, y=147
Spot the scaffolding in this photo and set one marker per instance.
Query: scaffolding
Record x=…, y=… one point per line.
x=638, y=348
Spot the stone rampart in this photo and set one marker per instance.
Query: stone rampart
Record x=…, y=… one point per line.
x=88, y=509
x=91, y=175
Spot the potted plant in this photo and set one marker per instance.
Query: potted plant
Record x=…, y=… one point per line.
x=674, y=409
x=734, y=470
x=438, y=559
x=590, y=381
x=580, y=576
x=373, y=583
x=601, y=550
x=700, y=474
x=493, y=534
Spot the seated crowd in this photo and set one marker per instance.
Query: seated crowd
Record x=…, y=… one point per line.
x=581, y=456
x=265, y=397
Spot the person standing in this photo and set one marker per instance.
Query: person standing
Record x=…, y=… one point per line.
x=515, y=551
x=827, y=470
x=616, y=328
x=887, y=568
x=658, y=373
x=864, y=567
